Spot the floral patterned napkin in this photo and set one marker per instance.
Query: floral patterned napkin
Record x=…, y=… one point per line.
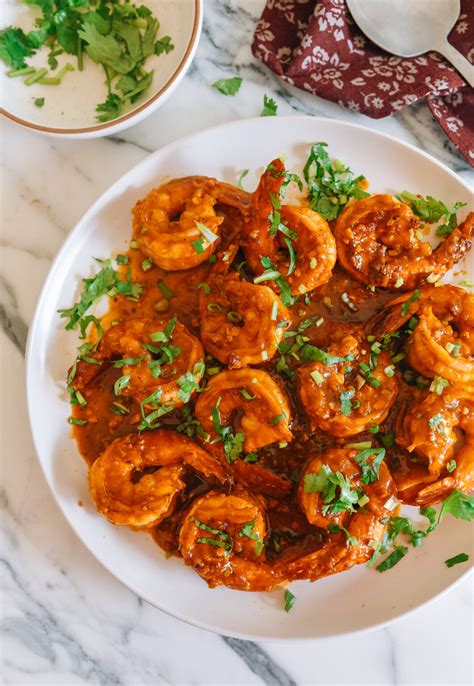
x=317, y=47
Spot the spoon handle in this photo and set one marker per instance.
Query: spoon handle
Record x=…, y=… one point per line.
x=458, y=61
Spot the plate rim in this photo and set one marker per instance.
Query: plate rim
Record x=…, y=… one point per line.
x=29, y=372
x=151, y=102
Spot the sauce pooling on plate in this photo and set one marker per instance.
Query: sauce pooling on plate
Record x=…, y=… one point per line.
x=272, y=380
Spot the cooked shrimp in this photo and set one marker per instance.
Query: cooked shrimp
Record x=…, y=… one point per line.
x=342, y=394
x=341, y=551
x=168, y=223
x=442, y=342
x=378, y=242
x=342, y=461
x=222, y=538
x=302, y=248
x=137, y=480
x=249, y=401
x=429, y=428
x=241, y=323
x=154, y=356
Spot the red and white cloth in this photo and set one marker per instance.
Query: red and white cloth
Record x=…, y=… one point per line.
x=317, y=47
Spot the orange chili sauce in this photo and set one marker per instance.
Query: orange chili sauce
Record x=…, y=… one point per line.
x=285, y=519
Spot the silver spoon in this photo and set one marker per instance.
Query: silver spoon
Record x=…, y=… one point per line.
x=411, y=27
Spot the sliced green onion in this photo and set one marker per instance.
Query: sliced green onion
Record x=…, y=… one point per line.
x=36, y=76
x=234, y=317
x=20, y=72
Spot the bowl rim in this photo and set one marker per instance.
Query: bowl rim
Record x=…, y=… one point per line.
x=206, y=626
x=175, y=76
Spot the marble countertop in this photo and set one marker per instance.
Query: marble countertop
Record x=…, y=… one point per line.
x=65, y=619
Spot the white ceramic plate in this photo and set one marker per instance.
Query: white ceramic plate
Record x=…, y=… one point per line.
x=69, y=109
x=355, y=600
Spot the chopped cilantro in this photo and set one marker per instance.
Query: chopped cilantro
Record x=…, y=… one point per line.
x=370, y=470
x=346, y=405
x=189, y=383
x=248, y=530
x=327, y=483
x=290, y=600
x=330, y=184
x=311, y=353
x=394, y=558
x=228, y=86
x=270, y=108
x=119, y=36
x=431, y=210
x=457, y=559
x=106, y=281
x=198, y=245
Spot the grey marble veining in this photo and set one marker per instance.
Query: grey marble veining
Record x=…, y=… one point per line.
x=65, y=620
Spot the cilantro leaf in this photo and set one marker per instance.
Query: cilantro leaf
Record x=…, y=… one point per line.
x=248, y=530
x=394, y=558
x=311, y=353
x=228, y=86
x=330, y=184
x=111, y=108
x=457, y=559
x=14, y=47
x=370, y=470
x=290, y=600
x=164, y=45
x=327, y=483
x=431, y=211
x=106, y=49
x=270, y=108
x=189, y=383
x=459, y=505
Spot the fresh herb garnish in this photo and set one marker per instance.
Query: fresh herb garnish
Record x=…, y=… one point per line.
x=270, y=108
x=248, y=530
x=106, y=282
x=438, y=385
x=228, y=86
x=458, y=504
x=198, y=245
x=457, y=559
x=406, y=306
x=431, y=210
x=121, y=383
x=330, y=184
x=232, y=443
x=370, y=470
x=166, y=292
x=272, y=273
x=223, y=539
x=77, y=422
x=189, y=383
x=311, y=353
x=290, y=600
x=345, y=400
x=117, y=35
x=327, y=483
x=334, y=528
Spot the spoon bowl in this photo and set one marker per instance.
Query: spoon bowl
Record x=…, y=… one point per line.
x=408, y=28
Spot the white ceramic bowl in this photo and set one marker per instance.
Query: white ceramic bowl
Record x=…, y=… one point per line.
x=359, y=599
x=69, y=109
